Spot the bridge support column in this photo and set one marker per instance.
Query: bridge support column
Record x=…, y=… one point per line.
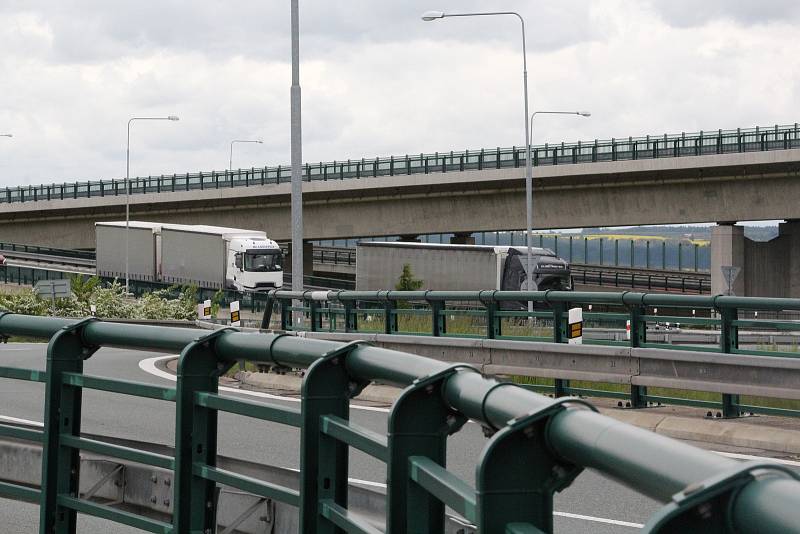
x=768, y=268
x=727, y=249
x=462, y=239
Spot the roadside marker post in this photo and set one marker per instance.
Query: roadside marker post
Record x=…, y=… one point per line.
x=575, y=327
x=235, y=318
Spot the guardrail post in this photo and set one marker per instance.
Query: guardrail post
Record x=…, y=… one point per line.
x=199, y=369
x=418, y=425
x=518, y=474
x=62, y=416
x=560, y=385
x=638, y=338
x=327, y=390
x=286, y=314
x=315, y=315
x=493, y=330
x=438, y=319
x=728, y=341
x=350, y=316
x=390, y=318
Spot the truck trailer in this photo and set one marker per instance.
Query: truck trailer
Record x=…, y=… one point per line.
x=208, y=256
x=458, y=267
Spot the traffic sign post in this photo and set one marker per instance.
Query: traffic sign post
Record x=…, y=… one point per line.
x=53, y=289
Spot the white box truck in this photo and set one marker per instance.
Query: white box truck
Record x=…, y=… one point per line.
x=444, y=267
x=209, y=256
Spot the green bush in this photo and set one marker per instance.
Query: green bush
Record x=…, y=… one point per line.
x=110, y=302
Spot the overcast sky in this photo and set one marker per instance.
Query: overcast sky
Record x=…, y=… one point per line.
x=376, y=80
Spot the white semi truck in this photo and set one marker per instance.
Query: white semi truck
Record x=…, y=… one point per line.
x=208, y=256
x=458, y=267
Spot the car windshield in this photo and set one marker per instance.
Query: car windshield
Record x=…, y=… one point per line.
x=263, y=262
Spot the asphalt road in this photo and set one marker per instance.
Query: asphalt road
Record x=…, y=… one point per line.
x=592, y=504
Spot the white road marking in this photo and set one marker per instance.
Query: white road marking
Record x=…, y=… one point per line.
x=149, y=366
x=9, y=419
x=599, y=520
x=737, y=456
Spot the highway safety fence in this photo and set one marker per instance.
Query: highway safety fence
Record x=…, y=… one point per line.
x=504, y=315
x=536, y=447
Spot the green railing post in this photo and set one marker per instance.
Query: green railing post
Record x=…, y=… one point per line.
x=390, y=317
x=728, y=342
x=518, y=474
x=647, y=254
x=326, y=390
x=664, y=255
x=638, y=339
x=286, y=314
x=492, y=321
x=560, y=385
x=616, y=253
x=199, y=369
x=314, y=313
x=350, y=316
x=62, y=416
x=438, y=319
x=418, y=425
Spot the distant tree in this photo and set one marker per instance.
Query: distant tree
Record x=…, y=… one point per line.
x=407, y=282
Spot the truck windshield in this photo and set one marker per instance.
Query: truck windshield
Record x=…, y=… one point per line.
x=261, y=262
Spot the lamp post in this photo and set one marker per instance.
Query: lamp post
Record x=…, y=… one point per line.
x=434, y=15
x=230, y=161
x=296, y=158
x=128, y=191
x=6, y=135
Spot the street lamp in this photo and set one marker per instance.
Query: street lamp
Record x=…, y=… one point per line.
x=128, y=191
x=580, y=113
x=296, y=158
x=6, y=135
x=434, y=15
x=230, y=162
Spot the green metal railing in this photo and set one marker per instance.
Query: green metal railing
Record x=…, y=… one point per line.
x=538, y=445
x=631, y=148
x=500, y=315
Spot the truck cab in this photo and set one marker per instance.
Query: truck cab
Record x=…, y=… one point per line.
x=254, y=264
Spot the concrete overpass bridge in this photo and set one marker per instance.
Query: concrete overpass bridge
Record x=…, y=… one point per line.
x=719, y=176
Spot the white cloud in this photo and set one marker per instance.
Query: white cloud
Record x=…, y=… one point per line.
x=376, y=79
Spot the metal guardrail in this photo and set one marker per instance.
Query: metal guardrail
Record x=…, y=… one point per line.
x=538, y=445
x=35, y=249
x=498, y=315
x=631, y=148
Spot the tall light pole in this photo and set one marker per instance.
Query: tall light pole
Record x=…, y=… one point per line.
x=6, y=135
x=296, y=156
x=128, y=191
x=230, y=161
x=434, y=15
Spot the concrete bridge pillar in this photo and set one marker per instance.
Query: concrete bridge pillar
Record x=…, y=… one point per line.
x=768, y=268
x=789, y=241
x=462, y=239
x=727, y=248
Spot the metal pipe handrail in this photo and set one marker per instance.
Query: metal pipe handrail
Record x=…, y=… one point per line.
x=657, y=466
x=587, y=297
